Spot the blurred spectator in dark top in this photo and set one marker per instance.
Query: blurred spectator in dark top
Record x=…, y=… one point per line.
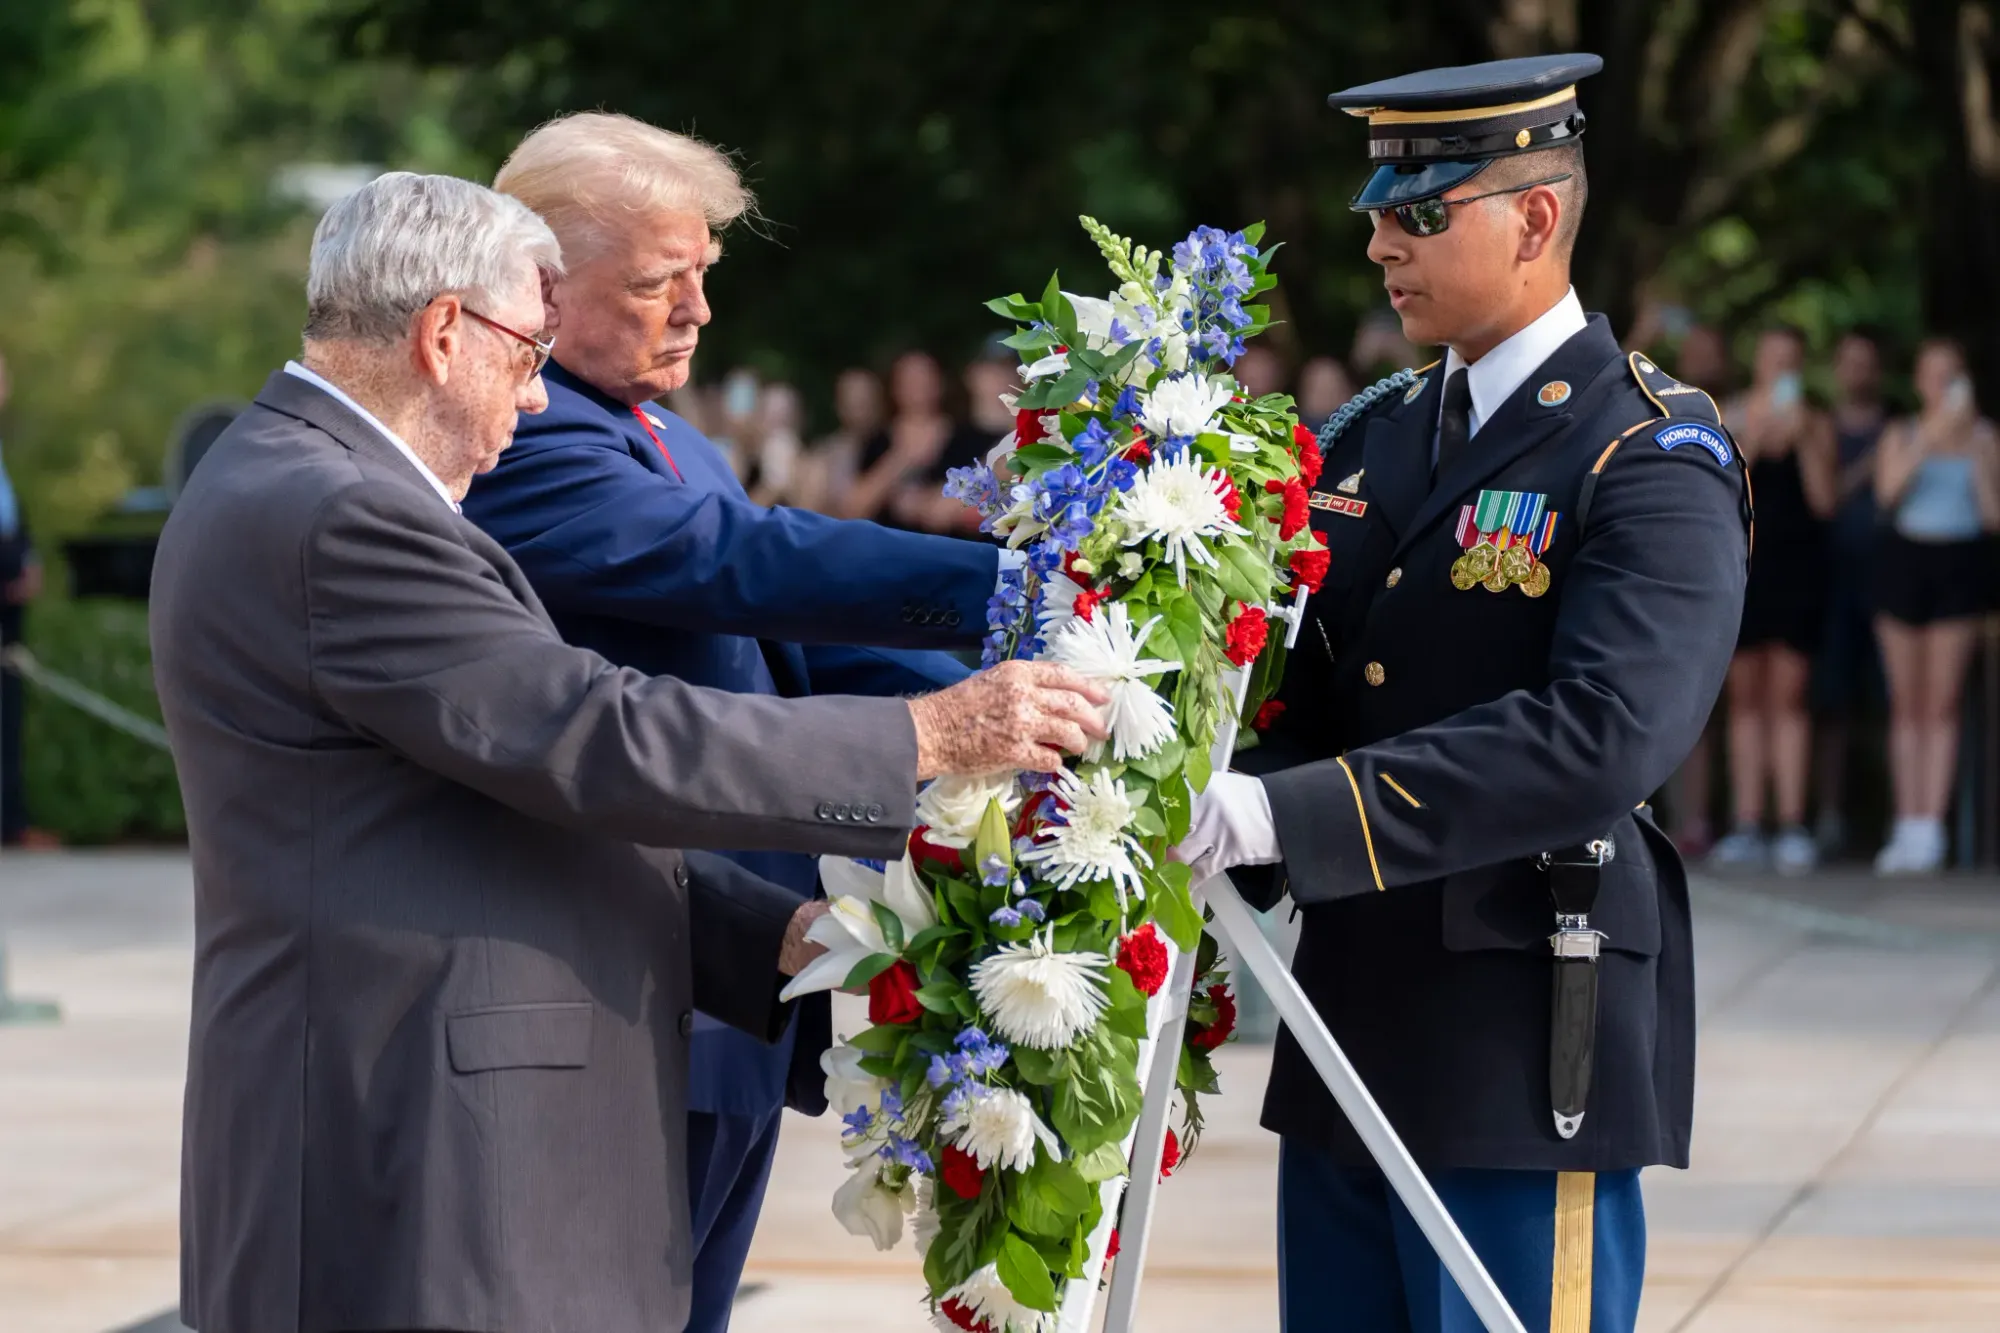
x=1937, y=478
x=1847, y=677
x=1324, y=387
x=988, y=421
x=1788, y=446
x=771, y=466
x=831, y=464
x=1703, y=361
x=1380, y=347
x=903, y=465
x=20, y=583
x=1260, y=371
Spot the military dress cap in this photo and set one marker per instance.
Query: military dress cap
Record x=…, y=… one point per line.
x=1438, y=128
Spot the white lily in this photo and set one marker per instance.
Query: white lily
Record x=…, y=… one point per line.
x=1055, y=363
x=849, y=931
x=848, y=1085
x=866, y=1206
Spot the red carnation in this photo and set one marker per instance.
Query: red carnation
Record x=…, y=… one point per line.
x=1111, y=1250
x=1086, y=602
x=1027, y=426
x=1310, y=461
x=1272, y=710
x=892, y=995
x=1246, y=634
x=1144, y=959
x=1171, y=1157
x=961, y=1172
x=1302, y=435
x=962, y=1316
x=1296, y=507
x=1231, y=501
x=1310, y=565
x=1139, y=451
x=923, y=849
x=1224, y=1025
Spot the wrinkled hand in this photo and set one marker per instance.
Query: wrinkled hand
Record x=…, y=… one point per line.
x=1016, y=715
x=797, y=951
x=1231, y=826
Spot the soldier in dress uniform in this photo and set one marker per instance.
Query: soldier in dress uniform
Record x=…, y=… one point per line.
x=1538, y=554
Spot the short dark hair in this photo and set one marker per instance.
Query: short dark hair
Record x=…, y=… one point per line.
x=1557, y=160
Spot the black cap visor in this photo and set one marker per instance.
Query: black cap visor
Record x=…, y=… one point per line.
x=1406, y=183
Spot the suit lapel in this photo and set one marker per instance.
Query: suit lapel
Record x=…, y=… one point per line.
x=1521, y=423
x=1396, y=454
x=309, y=403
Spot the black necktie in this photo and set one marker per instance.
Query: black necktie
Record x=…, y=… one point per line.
x=1455, y=425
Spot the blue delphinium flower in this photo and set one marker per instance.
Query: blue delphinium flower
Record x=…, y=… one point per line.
x=1072, y=525
x=1093, y=444
x=879, y=867
x=1033, y=910
x=904, y=1152
x=1121, y=473
x=993, y=872
x=1126, y=408
x=858, y=1121
x=1005, y=917
x=1046, y=556
x=982, y=1054
x=892, y=1103
x=940, y=1073
x=1120, y=335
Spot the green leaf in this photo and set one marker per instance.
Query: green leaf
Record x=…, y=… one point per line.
x=938, y=997
x=1104, y=901
x=1200, y=768
x=869, y=968
x=1015, y=307
x=1029, y=340
x=1034, y=456
x=1026, y=1275
x=1253, y=233
x=1147, y=823
x=1100, y=1164
x=1041, y=1068
x=929, y=935
x=1127, y=1013
x=1162, y=761
x=964, y=901
x=1251, y=568
x=1174, y=910
x=891, y=924
x=876, y=1040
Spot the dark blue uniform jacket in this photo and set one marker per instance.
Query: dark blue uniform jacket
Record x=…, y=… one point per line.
x=669, y=568
x=1436, y=740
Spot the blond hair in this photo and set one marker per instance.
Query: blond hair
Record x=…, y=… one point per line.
x=582, y=172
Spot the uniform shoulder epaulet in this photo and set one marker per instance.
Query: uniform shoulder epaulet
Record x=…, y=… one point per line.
x=1357, y=406
x=1668, y=395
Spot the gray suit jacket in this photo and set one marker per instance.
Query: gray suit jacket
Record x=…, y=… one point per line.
x=443, y=982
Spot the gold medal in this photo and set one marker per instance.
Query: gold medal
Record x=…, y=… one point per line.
x=1497, y=581
x=1536, y=583
x=1516, y=563
x=1462, y=576
x=1481, y=560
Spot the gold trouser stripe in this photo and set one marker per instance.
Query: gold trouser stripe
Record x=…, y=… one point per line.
x=1361, y=808
x=1383, y=116
x=1569, y=1281
x=1397, y=787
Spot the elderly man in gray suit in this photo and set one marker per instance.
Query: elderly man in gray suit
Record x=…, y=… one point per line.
x=444, y=969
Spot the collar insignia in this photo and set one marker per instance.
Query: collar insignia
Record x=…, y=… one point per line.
x=1415, y=391
x=1553, y=394
x=1351, y=486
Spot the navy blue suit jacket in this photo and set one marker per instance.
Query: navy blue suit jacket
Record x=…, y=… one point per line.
x=648, y=551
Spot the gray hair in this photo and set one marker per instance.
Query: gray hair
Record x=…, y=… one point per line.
x=399, y=242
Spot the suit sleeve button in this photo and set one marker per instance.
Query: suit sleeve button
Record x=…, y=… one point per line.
x=875, y=813
x=681, y=875
x=687, y=1023
x=842, y=811
x=952, y=619
x=909, y=615
x=1374, y=674
x=825, y=810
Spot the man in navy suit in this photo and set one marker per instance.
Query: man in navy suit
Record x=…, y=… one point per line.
x=642, y=544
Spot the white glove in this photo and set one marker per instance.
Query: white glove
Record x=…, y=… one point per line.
x=1232, y=826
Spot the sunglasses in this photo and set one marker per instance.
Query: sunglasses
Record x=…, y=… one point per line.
x=544, y=347
x=1432, y=217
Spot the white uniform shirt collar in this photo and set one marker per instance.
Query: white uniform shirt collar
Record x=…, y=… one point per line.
x=339, y=395
x=1495, y=376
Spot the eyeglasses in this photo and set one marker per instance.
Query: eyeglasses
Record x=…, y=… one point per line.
x=544, y=347
x=1432, y=217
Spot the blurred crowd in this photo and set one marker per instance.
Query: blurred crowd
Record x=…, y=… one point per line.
x=1874, y=571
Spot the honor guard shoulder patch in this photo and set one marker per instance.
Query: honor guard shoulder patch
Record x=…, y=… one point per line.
x=1669, y=396
x=1689, y=432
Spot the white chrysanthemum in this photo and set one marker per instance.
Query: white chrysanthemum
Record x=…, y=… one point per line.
x=953, y=807
x=849, y=931
x=1094, y=841
x=992, y=1307
x=1179, y=503
x=1038, y=997
x=1106, y=649
x=848, y=1085
x=1183, y=405
x=1058, y=607
x=867, y=1206
x=998, y=1127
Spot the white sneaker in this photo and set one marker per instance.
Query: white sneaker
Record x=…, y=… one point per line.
x=1915, y=847
x=1744, y=849
x=1794, y=852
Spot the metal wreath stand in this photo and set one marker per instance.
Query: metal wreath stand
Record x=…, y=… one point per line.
x=1159, y=1058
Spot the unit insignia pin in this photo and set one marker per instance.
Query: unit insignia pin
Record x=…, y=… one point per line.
x=1350, y=485
x=1553, y=394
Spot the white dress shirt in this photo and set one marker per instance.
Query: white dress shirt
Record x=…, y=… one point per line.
x=339, y=395
x=1495, y=376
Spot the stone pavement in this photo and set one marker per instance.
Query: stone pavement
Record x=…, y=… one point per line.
x=1847, y=1148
